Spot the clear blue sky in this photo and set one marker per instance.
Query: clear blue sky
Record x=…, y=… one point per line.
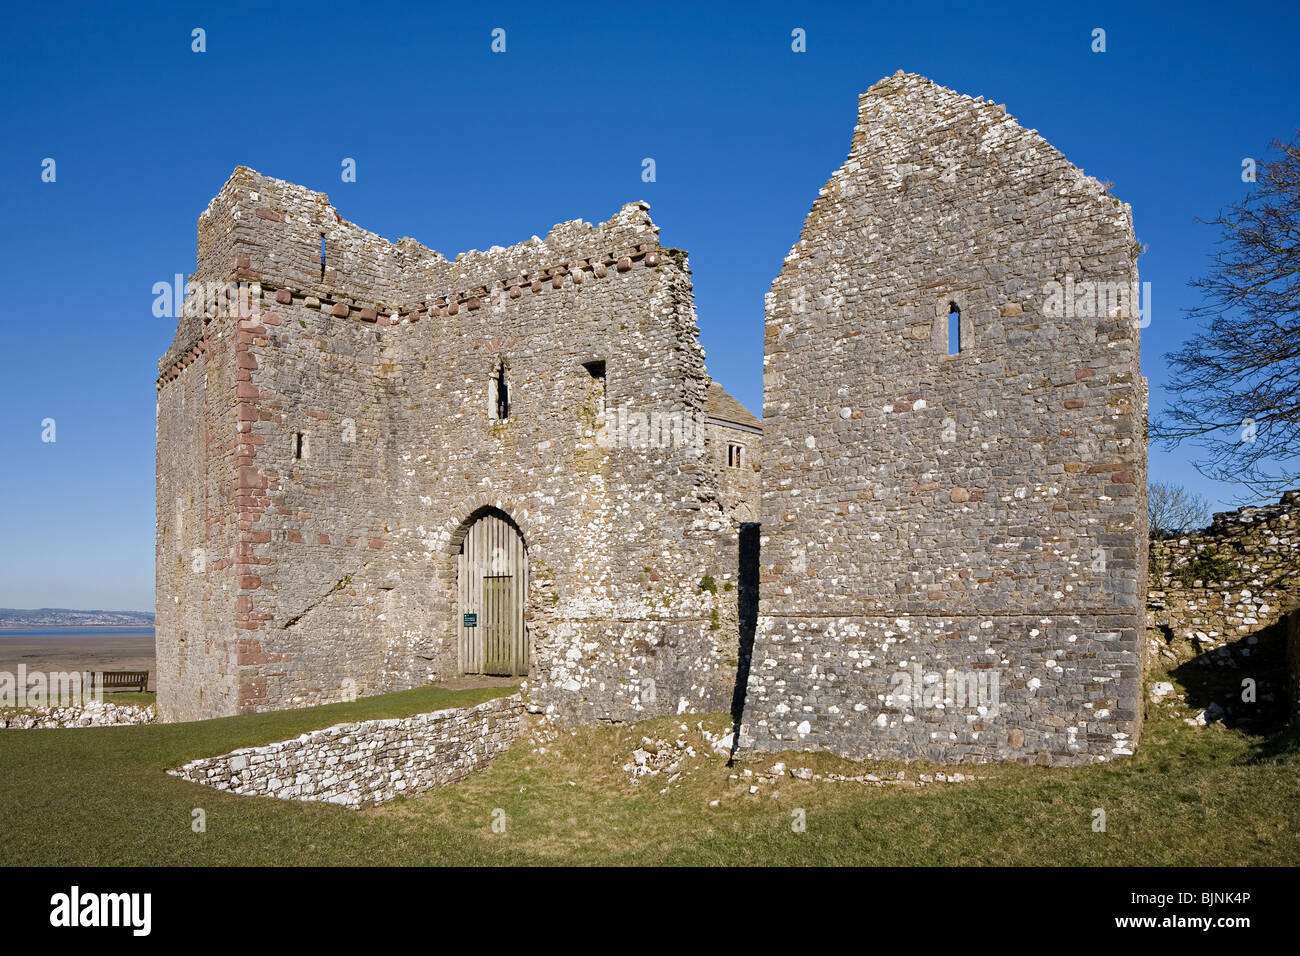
x=462, y=148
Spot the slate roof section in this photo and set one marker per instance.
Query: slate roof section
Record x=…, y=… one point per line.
x=721, y=405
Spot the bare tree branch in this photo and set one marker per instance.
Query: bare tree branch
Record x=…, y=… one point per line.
x=1172, y=509
x=1237, y=383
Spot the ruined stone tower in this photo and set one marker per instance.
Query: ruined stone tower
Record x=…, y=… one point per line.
x=954, y=471
x=379, y=468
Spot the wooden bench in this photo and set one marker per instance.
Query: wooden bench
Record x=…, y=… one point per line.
x=119, y=680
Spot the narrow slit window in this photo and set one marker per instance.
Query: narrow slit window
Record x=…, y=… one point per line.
x=499, y=394
x=299, y=445
x=322, y=255
x=596, y=369
x=954, y=329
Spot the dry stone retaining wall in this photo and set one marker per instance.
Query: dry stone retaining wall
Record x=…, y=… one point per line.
x=1224, y=583
x=1228, y=596
x=92, y=713
x=369, y=762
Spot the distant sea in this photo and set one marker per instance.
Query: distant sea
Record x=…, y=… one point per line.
x=55, y=648
x=54, y=630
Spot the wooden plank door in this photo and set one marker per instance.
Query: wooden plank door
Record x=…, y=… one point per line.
x=499, y=631
x=492, y=591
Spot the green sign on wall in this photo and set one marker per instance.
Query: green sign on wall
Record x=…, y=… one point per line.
x=471, y=620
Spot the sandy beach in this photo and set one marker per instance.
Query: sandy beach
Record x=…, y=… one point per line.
x=78, y=649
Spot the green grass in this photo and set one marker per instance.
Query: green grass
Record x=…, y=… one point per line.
x=133, y=697
x=1191, y=796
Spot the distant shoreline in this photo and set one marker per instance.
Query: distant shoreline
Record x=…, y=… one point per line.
x=12, y=618
x=36, y=629
x=53, y=618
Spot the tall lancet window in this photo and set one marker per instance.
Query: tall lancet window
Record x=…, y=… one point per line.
x=499, y=393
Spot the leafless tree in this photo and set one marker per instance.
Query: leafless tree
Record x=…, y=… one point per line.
x=1172, y=509
x=1236, y=385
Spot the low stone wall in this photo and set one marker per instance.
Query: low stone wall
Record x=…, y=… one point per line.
x=1225, y=583
x=92, y=714
x=368, y=762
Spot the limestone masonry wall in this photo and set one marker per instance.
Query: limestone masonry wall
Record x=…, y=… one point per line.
x=198, y=544
x=953, y=545
x=368, y=762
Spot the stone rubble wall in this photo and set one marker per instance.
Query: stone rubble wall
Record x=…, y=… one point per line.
x=368, y=762
x=91, y=714
x=1257, y=553
x=982, y=512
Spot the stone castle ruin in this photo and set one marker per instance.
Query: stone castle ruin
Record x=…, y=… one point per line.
x=378, y=467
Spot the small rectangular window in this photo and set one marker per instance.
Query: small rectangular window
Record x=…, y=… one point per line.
x=299, y=445
x=733, y=455
x=954, y=329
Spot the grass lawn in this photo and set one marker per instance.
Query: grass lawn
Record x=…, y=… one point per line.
x=1191, y=796
x=133, y=697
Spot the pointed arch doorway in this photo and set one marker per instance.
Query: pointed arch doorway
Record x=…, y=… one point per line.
x=492, y=595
